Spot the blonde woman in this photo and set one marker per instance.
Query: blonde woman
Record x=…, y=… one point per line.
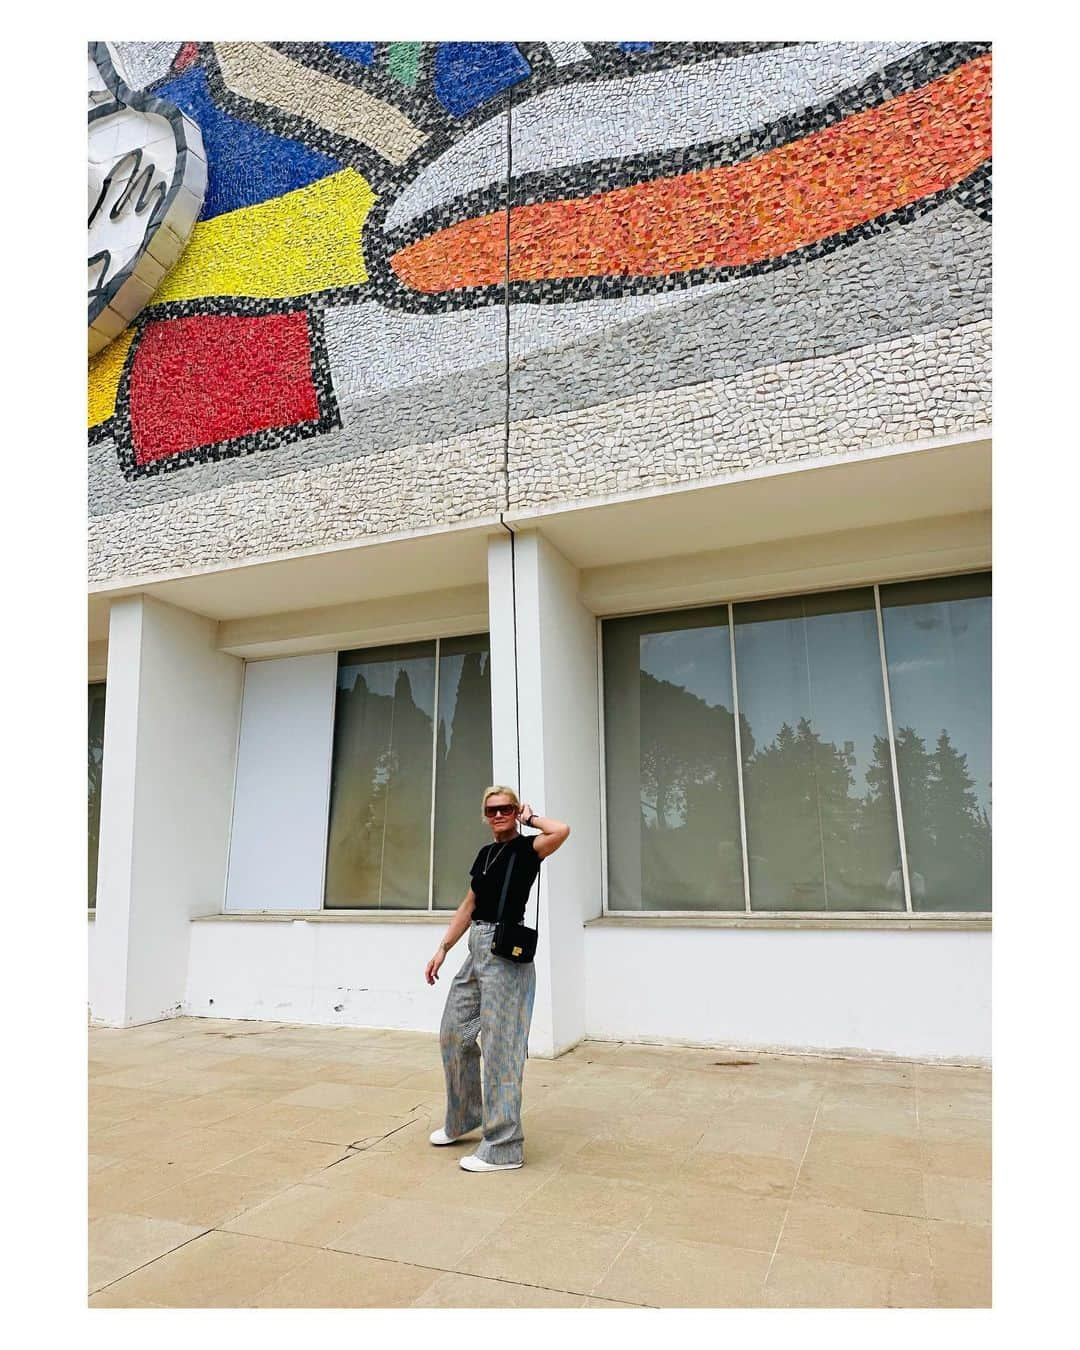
x=491, y=997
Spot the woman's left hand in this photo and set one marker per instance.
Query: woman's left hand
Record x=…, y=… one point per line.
x=524, y=812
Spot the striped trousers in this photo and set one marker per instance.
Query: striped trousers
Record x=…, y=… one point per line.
x=490, y=998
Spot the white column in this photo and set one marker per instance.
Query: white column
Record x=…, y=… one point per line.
x=557, y=713
x=172, y=714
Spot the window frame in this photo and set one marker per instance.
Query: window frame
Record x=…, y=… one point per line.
x=763, y=918
x=429, y=910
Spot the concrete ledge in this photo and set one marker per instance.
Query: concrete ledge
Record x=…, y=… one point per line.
x=976, y=923
x=946, y=923
x=326, y=916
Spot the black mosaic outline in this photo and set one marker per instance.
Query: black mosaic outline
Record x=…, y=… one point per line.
x=348, y=153
x=386, y=181
x=964, y=192
x=580, y=180
x=172, y=73
x=604, y=288
x=373, y=79
x=977, y=192
x=445, y=130
x=901, y=77
x=140, y=101
x=384, y=287
x=269, y=438
x=420, y=104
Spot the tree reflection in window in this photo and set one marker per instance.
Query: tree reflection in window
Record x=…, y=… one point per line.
x=820, y=811
x=95, y=744
x=380, y=790
x=387, y=740
x=462, y=762
x=672, y=781
x=937, y=645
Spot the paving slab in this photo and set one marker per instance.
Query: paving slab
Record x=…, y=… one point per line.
x=238, y=1164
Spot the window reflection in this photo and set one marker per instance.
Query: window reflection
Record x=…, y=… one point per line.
x=463, y=762
x=379, y=850
x=672, y=782
x=937, y=645
x=821, y=819
x=817, y=775
x=95, y=742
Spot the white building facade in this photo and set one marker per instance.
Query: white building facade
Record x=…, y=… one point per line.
x=701, y=567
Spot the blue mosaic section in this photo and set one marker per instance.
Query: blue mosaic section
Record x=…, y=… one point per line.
x=469, y=73
x=361, y=52
x=247, y=165
x=628, y=334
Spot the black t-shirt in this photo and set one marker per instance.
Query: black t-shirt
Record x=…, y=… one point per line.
x=487, y=886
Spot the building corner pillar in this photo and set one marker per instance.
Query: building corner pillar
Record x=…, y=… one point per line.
x=171, y=723
x=544, y=708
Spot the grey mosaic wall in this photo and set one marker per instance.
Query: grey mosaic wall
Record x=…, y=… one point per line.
x=705, y=258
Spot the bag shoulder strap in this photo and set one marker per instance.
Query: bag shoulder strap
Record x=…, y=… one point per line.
x=539, y=870
x=505, y=887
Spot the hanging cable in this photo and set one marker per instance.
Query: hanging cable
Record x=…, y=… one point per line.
x=506, y=435
x=506, y=470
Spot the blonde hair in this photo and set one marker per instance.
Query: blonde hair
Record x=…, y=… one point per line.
x=498, y=790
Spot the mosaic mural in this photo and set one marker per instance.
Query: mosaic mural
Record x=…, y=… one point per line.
x=429, y=280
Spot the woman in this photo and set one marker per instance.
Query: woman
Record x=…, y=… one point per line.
x=491, y=996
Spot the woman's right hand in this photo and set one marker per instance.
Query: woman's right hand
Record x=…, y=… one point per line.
x=431, y=972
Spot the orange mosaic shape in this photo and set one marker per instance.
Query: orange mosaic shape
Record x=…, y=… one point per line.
x=833, y=180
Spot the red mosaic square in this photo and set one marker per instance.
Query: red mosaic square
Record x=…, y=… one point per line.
x=210, y=378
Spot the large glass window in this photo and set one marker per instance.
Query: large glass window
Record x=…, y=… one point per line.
x=820, y=817
x=95, y=746
x=937, y=644
x=405, y=784
x=672, y=780
x=804, y=687
x=462, y=763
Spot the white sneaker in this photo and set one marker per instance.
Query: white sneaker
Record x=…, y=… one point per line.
x=441, y=1137
x=472, y=1163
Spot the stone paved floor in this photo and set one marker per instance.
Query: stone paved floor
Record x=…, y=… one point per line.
x=248, y=1164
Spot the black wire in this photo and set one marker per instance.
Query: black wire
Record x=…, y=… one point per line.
x=506, y=476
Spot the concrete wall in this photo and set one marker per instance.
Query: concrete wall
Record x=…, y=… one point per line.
x=327, y=972
x=171, y=725
x=93, y=995
x=171, y=736
x=910, y=993
x=923, y=995
x=695, y=288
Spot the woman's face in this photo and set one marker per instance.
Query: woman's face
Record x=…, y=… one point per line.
x=501, y=814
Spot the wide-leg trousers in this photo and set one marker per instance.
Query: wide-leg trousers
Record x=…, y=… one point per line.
x=489, y=998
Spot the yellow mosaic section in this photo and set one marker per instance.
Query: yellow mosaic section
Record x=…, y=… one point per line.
x=103, y=376
x=307, y=240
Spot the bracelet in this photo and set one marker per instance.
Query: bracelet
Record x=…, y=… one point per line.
x=529, y=822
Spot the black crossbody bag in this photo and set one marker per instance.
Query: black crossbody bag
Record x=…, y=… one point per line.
x=515, y=941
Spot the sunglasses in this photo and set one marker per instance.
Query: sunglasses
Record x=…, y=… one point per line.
x=508, y=810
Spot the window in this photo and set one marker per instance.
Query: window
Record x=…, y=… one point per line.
x=937, y=645
x=751, y=762
x=820, y=817
x=672, y=780
x=95, y=747
x=411, y=758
